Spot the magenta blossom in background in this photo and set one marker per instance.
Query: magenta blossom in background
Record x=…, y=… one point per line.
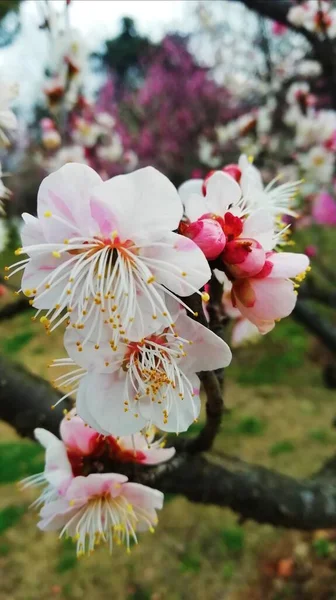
x=324, y=209
x=278, y=28
x=311, y=251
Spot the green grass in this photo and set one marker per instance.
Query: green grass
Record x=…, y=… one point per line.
x=17, y=342
x=282, y=447
x=67, y=559
x=233, y=539
x=250, y=425
x=10, y=515
x=18, y=460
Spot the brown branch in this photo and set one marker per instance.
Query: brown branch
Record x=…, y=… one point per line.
x=14, y=308
x=25, y=400
x=213, y=382
x=252, y=491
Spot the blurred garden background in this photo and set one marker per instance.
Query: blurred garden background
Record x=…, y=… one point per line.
x=185, y=86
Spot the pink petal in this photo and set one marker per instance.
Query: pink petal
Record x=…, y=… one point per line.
x=287, y=264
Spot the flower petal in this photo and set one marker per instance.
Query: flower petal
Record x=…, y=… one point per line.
x=260, y=227
x=222, y=191
x=63, y=202
x=207, y=352
x=287, y=264
x=180, y=265
x=100, y=403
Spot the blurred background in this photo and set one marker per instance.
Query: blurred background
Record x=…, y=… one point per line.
x=186, y=86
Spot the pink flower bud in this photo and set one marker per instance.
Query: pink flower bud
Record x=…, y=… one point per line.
x=3, y=290
x=47, y=124
x=233, y=170
x=311, y=251
x=244, y=257
x=207, y=234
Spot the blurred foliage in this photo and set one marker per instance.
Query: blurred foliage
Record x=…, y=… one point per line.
x=9, y=516
x=233, y=539
x=18, y=460
x=15, y=343
x=282, y=447
x=68, y=558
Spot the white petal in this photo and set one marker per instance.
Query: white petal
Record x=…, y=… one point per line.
x=195, y=206
x=222, y=191
x=181, y=266
x=207, y=351
x=260, y=227
x=182, y=413
x=189, y=188
x=100, y=402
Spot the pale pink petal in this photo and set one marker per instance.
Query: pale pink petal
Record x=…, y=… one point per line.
x=82, y=489
x=180, y=266
x=31, y=232
x=221, y=191
x=260, y=227
x=100, y=403
x=274, y=299
x=147, y=499
x=158, y=455
x=36, y=277
x=207, y=351
x=142, y=201
x=244, y=332
x=287, y=264
x=54, y=515
x=57, y=470
x=63, y=202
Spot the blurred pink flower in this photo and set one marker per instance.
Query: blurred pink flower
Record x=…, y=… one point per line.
x=324, y=209
x=278, y=28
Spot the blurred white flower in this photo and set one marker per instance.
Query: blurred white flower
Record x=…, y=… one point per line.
x=113, y=152
x=8, y=120
x=318, y=164
x=206, y=153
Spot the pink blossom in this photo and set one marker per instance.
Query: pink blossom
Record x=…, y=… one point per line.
x=324, y=209
x=311, y=251
x=102, y=508
x=270, y=295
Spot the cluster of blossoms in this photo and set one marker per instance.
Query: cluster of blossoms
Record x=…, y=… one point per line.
x=318, y=17
x=116, y=261
x=92, y=138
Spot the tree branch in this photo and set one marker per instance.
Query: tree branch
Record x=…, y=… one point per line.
x=252, y=491
x=315, y=324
